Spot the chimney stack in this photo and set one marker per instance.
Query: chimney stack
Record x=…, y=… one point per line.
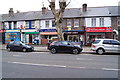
x=44, y=10
x=84, y=7
x=11, y=12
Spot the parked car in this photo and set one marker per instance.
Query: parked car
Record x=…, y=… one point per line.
x=102, y=46
x=64, y=46
x=19, y=46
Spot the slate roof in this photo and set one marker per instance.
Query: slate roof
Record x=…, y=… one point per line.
x=69, y=13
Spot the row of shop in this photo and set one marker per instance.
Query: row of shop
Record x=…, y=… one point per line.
x=43, y=36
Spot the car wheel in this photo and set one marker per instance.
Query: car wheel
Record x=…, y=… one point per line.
x=8, y=49
x=75, y=51
x=24, y=50
x=100, y=51
x=53, y=51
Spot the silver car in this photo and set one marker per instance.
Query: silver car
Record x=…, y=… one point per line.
x=106, y=45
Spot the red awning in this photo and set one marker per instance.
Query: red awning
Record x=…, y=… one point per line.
x=48, y=33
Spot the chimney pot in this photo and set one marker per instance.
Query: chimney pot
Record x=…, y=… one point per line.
x=11, y=12
x=84, y=7
x=43, y=10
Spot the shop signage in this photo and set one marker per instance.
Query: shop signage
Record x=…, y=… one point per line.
x=12, y=30
x=47, y=30
x=99, y=29
x=2, y=31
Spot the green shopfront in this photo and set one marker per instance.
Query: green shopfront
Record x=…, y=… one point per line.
x=29, y=36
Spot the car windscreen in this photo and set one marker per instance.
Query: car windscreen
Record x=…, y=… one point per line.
x=96, y=41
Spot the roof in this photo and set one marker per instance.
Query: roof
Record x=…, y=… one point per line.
x=69, y=13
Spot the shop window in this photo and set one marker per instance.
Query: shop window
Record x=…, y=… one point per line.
x=101, y=22
x=93, y=22
x=76, y=22
x=69, y=22
x=53, y=23
x=47, y=24
x=33, y=24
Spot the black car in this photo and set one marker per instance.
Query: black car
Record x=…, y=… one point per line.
x=65, y=46
x=19, y=46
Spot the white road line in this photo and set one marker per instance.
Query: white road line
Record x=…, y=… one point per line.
x=47, y=65
x=16, y=55
x=110, y=69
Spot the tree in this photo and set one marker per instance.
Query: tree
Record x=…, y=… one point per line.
x=58, y=15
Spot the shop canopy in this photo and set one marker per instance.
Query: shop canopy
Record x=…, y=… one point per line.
x=73, y=30
x=32, y=32
x=48, y=33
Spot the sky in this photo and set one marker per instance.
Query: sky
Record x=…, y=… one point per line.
x=36, y=5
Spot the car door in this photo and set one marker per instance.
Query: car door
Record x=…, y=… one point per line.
x=116, y=45
x=17, y=46
x=63, y=46
x=108, y=45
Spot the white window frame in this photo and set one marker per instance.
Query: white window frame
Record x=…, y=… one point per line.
x=69, y=23
x=32, y=24
x=47, y=24
x=76, y=22
x=27, y=24
x=93, y=22
x=101, y=21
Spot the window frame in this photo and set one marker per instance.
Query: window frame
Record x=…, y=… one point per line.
x=47, y=24
x=76, y=21
x=93, y=22
x=69, y=23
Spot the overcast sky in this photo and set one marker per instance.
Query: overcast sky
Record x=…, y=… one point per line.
x=35, y=5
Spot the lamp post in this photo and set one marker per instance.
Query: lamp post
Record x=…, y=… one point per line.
x=58, y=15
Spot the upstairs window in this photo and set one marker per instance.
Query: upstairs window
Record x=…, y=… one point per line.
x=10, y=25
x=33, y=24
x=69, y=22
x=76, y=22
x=53, y=23
x=93, y=22
x=27, y=24
x=15, y=25
x=47, y=24
x=101, y=22
x=118, y=20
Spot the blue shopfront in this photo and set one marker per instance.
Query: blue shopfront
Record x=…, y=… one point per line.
x=12, y=35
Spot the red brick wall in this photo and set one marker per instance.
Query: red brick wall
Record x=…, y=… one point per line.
x=44, y=41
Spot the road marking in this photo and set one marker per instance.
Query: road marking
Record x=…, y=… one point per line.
x=47, y=65
x=16, y=55
x=110, y=69
x=83, y=59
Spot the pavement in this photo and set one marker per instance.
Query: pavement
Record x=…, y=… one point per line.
x=43, y=48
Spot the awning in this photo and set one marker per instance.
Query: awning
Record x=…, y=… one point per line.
x=48, y=33
x=73, y=30
x=32, y=32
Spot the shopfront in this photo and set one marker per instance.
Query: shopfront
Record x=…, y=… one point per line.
x=74, y=35
x=93, y=33
x=28, y=36
x=47, y=34
x=12, y=35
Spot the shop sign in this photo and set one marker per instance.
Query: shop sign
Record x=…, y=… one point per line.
x=29, y=30
x=12, y=30
x=1, y=31
x=47, y=30
x=99, y=29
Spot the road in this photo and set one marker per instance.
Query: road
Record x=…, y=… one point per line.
x=47, y=65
